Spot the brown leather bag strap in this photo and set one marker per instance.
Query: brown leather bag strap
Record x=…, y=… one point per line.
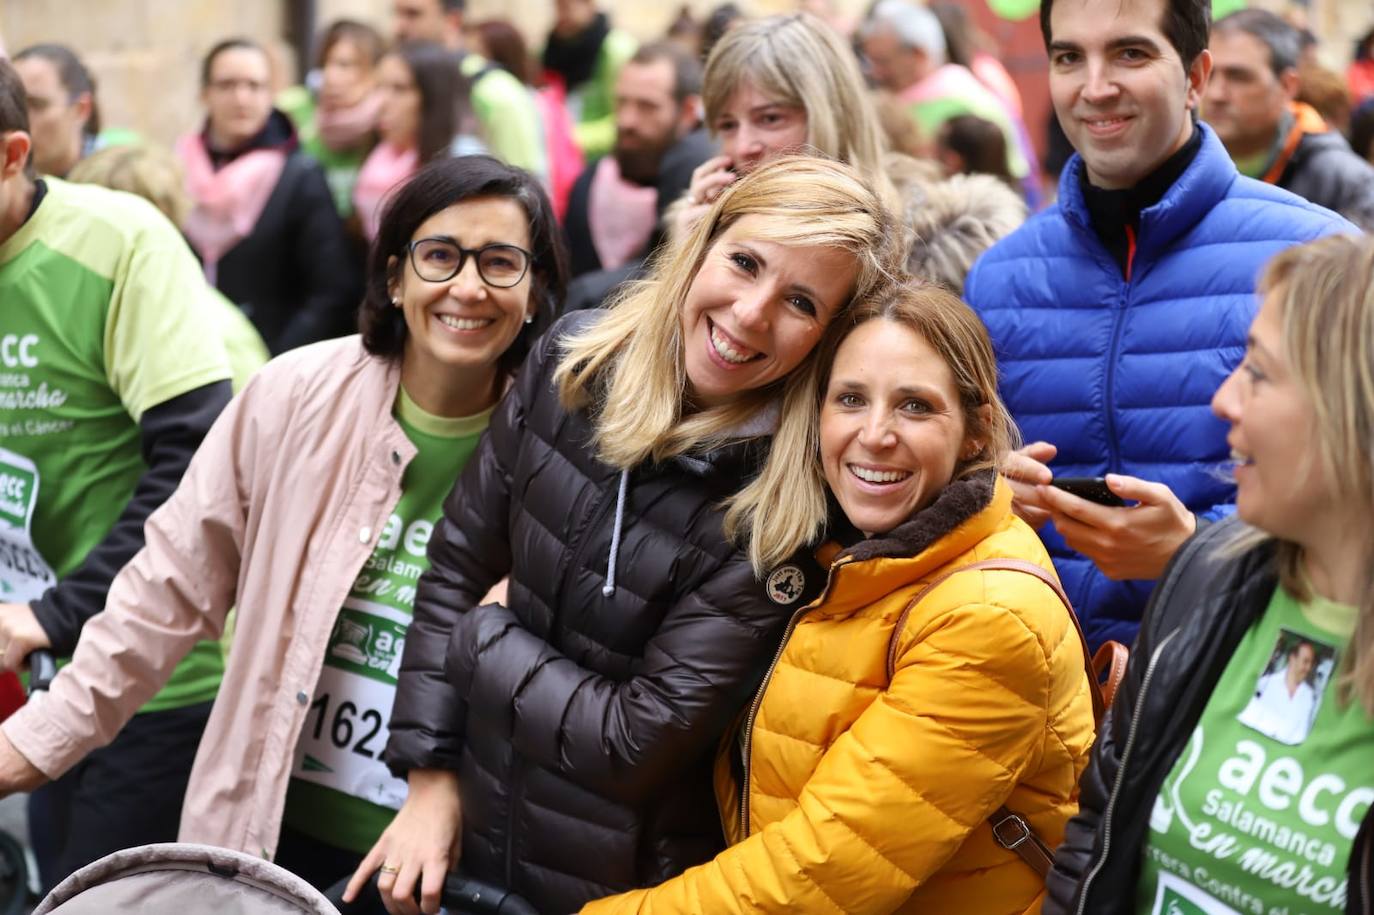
x=1109, y=669
x=1014, y=834
x=1010, y=830
x=1007, y=565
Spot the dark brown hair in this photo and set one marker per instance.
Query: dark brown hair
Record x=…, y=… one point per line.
x=363, y=36
x=73, y=75
x=506, y=48
x=14, y=101
x=445, y=103
x=1186, y=24
x=438, y=186
x=228, y=44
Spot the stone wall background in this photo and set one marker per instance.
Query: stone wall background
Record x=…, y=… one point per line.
x=145, y=53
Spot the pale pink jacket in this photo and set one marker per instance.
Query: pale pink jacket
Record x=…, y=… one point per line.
x=277, y=513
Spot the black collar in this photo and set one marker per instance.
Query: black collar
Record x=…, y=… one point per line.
x=277, y=133
x=1112, y=212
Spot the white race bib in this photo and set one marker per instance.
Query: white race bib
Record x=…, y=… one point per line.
x=24, y=573
x=345, y=731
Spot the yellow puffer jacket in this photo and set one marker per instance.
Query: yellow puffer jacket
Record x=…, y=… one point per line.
x=870, y=796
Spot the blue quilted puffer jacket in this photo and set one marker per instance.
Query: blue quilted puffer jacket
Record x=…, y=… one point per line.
x=1119, y=375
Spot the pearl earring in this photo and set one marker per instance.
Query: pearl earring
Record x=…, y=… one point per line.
x=529, y=319
x=396, y=301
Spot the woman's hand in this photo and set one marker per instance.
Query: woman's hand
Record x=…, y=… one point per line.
x=420, y=846
x=16, y=772
x=708, y=180
x=20, y=634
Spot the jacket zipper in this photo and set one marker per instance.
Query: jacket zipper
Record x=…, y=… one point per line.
x=1121, y=774
x=747, y=748
x=1110, y=396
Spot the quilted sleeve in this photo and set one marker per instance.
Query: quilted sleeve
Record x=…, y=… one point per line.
x=897, y=794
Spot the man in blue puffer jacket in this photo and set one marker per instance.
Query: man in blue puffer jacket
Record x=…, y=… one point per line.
x=1118, y=312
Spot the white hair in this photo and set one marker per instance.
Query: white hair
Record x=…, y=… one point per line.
x=913, y=25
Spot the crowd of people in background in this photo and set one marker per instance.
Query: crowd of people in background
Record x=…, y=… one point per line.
x=707, y=474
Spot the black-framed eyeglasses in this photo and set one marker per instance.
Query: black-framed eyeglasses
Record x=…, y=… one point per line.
x=438, y=260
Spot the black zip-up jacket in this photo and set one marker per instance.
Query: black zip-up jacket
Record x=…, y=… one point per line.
x=1200, y=611
x=582, y=720
x=1325, y=170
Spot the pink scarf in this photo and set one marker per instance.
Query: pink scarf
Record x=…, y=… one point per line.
x=346, y=128
x=385, y=167
x=228, y=202
x=621, y=215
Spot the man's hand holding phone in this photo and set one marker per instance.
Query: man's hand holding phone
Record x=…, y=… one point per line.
x=1124, y=542
x=1027, y=469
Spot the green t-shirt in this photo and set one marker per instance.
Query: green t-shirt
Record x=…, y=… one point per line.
x=101, y=320
x=1261, y=808
x=510, y=121
x=341, y=793
x=592, y=104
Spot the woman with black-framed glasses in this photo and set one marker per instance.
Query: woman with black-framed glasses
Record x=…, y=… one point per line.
x=309, y=508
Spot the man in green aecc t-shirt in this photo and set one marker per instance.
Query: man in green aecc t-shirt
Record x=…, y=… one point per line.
x=108, y=382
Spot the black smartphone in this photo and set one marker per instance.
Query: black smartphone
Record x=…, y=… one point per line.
x=1094, y=489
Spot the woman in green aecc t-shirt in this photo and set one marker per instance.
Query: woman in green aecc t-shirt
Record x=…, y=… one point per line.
x=1233, y=774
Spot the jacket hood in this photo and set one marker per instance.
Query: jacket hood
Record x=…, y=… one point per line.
x=960, y=501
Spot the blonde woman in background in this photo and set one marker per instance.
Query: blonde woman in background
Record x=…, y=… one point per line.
x=155, y=175
x=781, y=85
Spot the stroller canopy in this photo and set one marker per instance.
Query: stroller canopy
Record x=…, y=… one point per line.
x=184, y=879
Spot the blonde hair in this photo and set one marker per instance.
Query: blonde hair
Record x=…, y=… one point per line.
x=149, y=172
x=629, y=367
x=798, y=60
x=1325, y=293
x=954, y=331
x=952, y=222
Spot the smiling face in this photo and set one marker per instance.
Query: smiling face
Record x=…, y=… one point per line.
x=1119, y=87
x=892, y=429
x=238, y=96
x=398, y=120
x=1280, y=485
x=753, y=128
x=462, y=323
x=756, y=309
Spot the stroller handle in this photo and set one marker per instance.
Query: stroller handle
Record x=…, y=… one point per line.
x=42, y=670
x=461, y=896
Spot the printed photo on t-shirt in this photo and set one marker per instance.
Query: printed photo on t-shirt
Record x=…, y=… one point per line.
x=1289, y=689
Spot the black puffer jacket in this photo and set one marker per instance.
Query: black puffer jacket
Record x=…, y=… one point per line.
x=1197, y=616
x=582, y=720
x=1327, y=172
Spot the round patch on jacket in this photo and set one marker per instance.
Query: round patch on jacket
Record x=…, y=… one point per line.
x=785, y=584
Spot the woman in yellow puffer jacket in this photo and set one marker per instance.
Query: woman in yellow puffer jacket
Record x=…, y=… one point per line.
x=890, y=729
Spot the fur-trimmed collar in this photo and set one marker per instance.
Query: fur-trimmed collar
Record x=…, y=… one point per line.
x=960, y=501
